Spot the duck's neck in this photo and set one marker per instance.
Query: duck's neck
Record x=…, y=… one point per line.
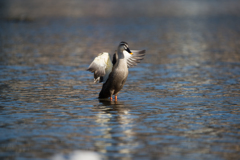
x=120, y=54
x=121, y=63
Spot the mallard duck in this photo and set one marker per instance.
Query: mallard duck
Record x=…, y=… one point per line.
x=114, y=73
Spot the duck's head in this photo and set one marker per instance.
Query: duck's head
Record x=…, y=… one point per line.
x=123, y=47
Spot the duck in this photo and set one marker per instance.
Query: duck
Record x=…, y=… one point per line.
x=113, y=74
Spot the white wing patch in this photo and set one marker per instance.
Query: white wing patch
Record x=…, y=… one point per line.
x=101, y=67
x=108, y=69
x=126, y=54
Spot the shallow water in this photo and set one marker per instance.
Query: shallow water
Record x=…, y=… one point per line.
x=181, y=102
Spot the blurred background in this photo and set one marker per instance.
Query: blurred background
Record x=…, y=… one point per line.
x=181, y=102
x=107, y=8
x=164, y=25
x=92, y=26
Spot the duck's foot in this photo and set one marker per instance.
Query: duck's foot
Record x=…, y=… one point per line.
x=115, y=98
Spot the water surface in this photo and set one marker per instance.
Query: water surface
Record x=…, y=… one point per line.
x=181, y=102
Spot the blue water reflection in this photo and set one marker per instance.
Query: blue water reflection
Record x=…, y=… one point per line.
x=181, y=102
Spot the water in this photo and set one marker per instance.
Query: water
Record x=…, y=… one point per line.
x=181, y=102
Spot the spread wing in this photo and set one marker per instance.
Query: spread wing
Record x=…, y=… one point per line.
x=101, y=67
x=133, y=59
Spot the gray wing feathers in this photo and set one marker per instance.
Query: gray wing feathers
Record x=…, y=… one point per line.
x=135, y=58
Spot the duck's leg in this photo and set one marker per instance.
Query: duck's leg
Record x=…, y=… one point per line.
x=115, y=98
x=111, y=98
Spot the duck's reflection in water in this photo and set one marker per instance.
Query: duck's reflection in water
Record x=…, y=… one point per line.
x=116, y=126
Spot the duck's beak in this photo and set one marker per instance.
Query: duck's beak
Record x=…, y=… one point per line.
x=128, y=50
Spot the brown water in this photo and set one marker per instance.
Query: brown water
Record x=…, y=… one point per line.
x=181, y=102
